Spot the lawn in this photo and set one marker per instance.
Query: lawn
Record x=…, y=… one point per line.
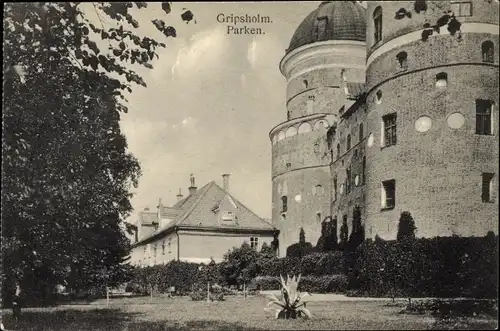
x=236, y=313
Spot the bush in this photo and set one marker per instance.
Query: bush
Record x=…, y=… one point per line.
x=267, y=283
x=324, y=284
x=437, y=267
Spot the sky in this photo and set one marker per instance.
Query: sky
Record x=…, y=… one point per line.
x=211, y=100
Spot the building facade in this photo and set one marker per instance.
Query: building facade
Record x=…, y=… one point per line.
x=200, y=227
x=382, y=115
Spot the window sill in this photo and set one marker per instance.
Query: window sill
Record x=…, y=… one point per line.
x=487, y=135
x=488, y=201
x=387, y=208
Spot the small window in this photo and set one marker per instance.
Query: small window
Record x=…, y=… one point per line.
x=487, y=187
x=163, y=247
x=169, y=246
x=316, y=148
x=388, y=194
x=403, y=60
x=335, y=189
x=442, y=80
x=378, y=97
x=154, y=250
x=389, y=130
x=318, y=190
x=284, y=203
x=254, y=243
x=461, y=8
x=288, y=166
x=321, y=27
x=348, y=142
x=377, y=23
x=298, y=198
x=488, y=52
x=456, y=121
x=355, y=153
x=288, y=115
x=483, y=117
x=318, y=217
x=305, y=83
x=361, y=132
x=338, y=151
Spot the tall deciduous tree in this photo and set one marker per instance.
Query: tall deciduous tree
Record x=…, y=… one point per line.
x=66, y=169
x=406, y=227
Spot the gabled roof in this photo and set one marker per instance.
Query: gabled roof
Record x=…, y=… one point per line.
x=197, y=211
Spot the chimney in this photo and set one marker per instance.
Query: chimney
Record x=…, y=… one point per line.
x=225, y=182
x=179, y=195
x=192, y=188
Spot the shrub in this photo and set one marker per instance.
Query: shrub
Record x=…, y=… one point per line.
x=267, y=283
x=437, y=267
x=406, y=227
x=324, y=284
x=330, y=264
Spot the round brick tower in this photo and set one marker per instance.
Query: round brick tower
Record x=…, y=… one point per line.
x=327, y=50
x=432, y=117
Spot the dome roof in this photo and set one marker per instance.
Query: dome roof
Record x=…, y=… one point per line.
x=332, y=20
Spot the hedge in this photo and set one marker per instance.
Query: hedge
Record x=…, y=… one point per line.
x=437, y=267
x=312, y=284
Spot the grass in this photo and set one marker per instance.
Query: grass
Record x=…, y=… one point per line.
x=143, y=314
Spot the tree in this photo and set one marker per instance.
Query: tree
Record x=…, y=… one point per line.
x=302, y=236
x=67, y=173
x=358, y=230
x=239, y=264
x=406, y=227
x=344, y=233
x=301, y=248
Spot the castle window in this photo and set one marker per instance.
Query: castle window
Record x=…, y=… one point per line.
x=318, y=217
x=388, y=194
x=361, y=133
x=389, y=130
x=423, y=124
x=288, y=115
x=318, y=190
x=290, y=132
x=298, y=198
x=338, y=151
x=377, y=23
x=488, y=52
x=348, y=181
x=254, y=243
x=483, y=117
x=403, y=60
x=335, y=189
x=154, y=250
x=316, y=148
x=284, y=203
x=487, y=187
x=461, y=8
x=348, y=142
x=441, y=80
x=169, y=246
x=305, y=83
x=288, y=166
x=355, y=153
x=321, y=27
x=163, y=247
x=378, y=97
x=456, y=121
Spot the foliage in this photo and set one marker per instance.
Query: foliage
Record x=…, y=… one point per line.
x=447, y=18
x=292, y=303
x=358, y=231
x=435, y=267
x=240, y=264
x=406, y=227
x=328, y=239
x=344, y=234
x=299, y=249
x=67, y=172
x=302, y=236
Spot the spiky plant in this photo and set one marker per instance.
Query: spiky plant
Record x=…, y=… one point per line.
x=292, y=303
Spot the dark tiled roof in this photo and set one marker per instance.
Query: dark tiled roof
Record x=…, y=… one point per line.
x=345, y=21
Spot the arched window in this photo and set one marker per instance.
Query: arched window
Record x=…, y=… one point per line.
x=163, y=247
x=348, y=142
x=361, y=133
x=442, y=80
x=305, y=83
x=377, y=24
x=318, y=190
x=284, y=203
x=488, y=52
x=403, y=60
x=338, y=151
x=292, y=131
x=318, y=217
x=305, y=127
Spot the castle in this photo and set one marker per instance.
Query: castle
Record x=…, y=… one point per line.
x=391, y=108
